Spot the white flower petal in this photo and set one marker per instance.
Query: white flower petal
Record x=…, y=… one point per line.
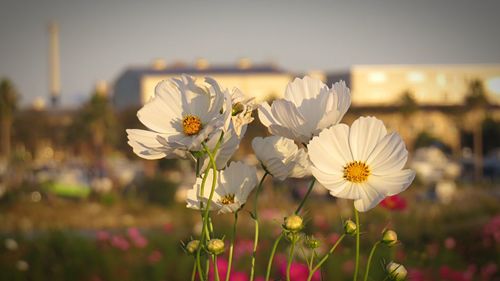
x=329, y=151
x=364, y=135
x=343, y=95
x=388, y=156
x=392, y=184
x=370, y=198
x=301, y=89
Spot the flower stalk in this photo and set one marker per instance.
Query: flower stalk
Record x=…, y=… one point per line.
x=323, y=260
x=255, y=217
x=271, y=256
x=311, y=185
x=356, y=268
x=231, y=248
x=367, y=272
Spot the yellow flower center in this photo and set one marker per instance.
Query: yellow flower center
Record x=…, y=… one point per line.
x=356, y=172
x=191, y=125
x=227, y=199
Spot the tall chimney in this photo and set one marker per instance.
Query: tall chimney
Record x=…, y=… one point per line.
x=55, y=71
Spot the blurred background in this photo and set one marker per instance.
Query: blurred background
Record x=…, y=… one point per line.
x=77, y=204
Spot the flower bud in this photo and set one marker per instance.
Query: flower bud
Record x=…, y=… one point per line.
x=215, y=246
x=311, y=242
x=389, y=237
x=293, y=223
x=350, y=227
x=192, y=246
x=396, y=271
x=237, y=108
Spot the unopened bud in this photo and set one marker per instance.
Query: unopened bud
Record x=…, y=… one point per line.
x=396, y=271
x=215, y=246
x=311, y=242
x=389, y=237
x=237, y=108
x=293, y=223
x=192, y=246
x=350, y=227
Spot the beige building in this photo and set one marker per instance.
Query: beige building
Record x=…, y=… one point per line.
x=135, y=86
x=376, y=85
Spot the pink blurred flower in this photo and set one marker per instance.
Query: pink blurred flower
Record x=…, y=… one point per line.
x=168, y=228
x=238, y=276
x=488, y=271
x=448, y=274
x=120, y=242
x=321, y=222
x=450, y=243
x=491, y=232
x=243, y=247
x=155, y=257
x=394, y=203
x=332, y=238
x=133, y=232
x=348, y=267
x=140, y=242
x=298, y=272
x=222, y=265
x=102, y=236
x=416, y=275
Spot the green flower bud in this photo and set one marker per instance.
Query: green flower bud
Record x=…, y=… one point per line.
x=396, y=271
x=311, y=242
x=293, y=223
x=215, y=246
x=192, y=246
x=237, y=108
x=350, y=227
x=389, y=237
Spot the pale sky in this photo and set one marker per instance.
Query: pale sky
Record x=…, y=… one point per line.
x=100, y=38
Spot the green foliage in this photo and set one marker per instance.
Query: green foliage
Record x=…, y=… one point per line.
x=476, y=95
x=408, y=103
x=158, y=190
x=8, y=98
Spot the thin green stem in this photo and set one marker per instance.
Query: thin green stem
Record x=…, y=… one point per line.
x=370, y=260
x=207, y=208
x=231, y=248
x=358, y=230
x=323, y=260
x=216, y=268
x=255, y=216
x=311, y=185
x=290, y=259
x=271, y=257
x=193, y=274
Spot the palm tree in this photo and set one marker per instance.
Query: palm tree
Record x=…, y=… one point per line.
x=8, y=105
x=476, y=103
x=408, y=106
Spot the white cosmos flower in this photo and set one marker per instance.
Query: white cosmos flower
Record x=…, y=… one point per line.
x=233, y=186
x=241, y=117
x=182, y=114
x=241, y=111
x=363, y=162
x=309, y=106
x=281, y=157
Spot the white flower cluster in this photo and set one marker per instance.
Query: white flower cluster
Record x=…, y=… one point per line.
x=186, y=117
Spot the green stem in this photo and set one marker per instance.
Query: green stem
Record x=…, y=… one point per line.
x=207, y=208
x=255, y=216
x=370, y=260
x=216, y=268
x=271, y=257
x=290, y=259
x=311, y=185
x=231, y=248
x=356, y=268
x=323, y=260
x=193, y=274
